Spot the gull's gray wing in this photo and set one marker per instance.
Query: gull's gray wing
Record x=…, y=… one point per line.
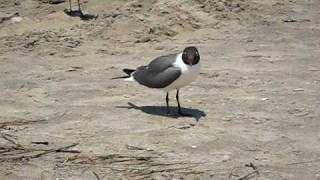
x=159, y=73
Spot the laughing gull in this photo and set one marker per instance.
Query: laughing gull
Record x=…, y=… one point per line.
x=169, y=72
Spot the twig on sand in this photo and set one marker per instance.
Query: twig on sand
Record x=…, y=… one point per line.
x=45, y=151
x=182, y=126
x=252, y=166
x=5, y=136
x=130, y=147
x=40, y=142
x=96, y=175
x=131, y=165
x=249, y=175
x=53, y=150
x=304, y=162
x=21, y=122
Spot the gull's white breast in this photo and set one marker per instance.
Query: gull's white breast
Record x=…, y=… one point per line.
x=188, y=74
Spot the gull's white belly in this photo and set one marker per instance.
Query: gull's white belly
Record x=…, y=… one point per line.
x=188, y=74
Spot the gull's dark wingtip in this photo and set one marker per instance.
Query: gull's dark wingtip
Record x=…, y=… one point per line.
x=128, y=71
x=120, y=77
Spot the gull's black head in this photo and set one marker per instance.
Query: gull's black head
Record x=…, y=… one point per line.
x=191, y=56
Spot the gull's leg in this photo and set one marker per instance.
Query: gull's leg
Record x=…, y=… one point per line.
x=177, y=98
x=70, y=6
x=79, y=8
x=167, y=101
x=179, y=107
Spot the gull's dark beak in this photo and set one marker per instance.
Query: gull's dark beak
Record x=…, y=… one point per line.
x=190, y=60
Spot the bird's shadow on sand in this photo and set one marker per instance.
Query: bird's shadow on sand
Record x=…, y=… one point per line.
x=162, y=111
x=80, y=14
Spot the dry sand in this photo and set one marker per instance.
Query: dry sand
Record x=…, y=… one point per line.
x=255, y=105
